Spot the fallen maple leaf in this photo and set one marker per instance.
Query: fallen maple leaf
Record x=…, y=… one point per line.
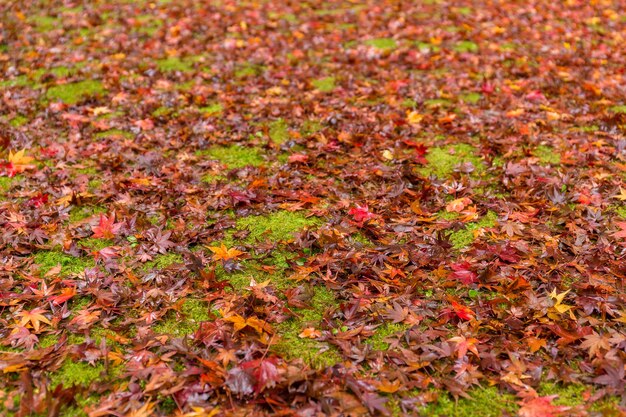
x=310, y=333
x=223, y=253
x=106, y=228
x=541, y=407
x=35, y=317
x=361, y=213
x=458, y=205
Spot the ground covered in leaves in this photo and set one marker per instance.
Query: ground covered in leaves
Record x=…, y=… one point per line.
x=312, y=208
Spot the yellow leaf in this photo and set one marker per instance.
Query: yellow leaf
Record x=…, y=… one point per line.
x=221, y=252
x=414, y=118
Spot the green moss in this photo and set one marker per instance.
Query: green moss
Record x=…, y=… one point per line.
x=471, y=98
x=76, y=373
x=620, y=211
x=18, y=121
x=437, y=102
x=442, y=161
x=173, y=64
x=82, y=213
x=280, y=225
x=234, y=156
x=316, y=354
x=212, y=110
x=19, y=81
x=6, y=182
x=377, y=341
x=279, y=131
x=382, y=43
x=95, y=244
x=75, y=92
x=465, y=46
x=48, y=340
x=574, y=394
x=163, y=261
x=464, y=237
x=249, y=70
x=547, y=155
x=193, y=311
x=149, y=24
x=447, y=215
x=44, y=23
x=325, y=85
x=162, y=112
x=485, y=402
x=618, y=109
x=69, y=264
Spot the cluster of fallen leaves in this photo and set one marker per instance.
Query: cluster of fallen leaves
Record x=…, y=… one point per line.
x=538, y=295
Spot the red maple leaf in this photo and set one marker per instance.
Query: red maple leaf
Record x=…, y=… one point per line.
x=541, y=407
x=106, y=228
x=463, y=273
x=361, y=213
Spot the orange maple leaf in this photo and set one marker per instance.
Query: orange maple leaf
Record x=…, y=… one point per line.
x=223, y=253
x=35, y=317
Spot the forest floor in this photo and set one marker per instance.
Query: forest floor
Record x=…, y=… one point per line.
x=310, y=208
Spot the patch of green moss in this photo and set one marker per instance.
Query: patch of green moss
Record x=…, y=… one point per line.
x=6, y=182
x=163, y=261
x=212, y=110
x=447, y=215
x=162, y=112
x=464, y=237
x=484, y=402
x=95, y=244
x=471, y=98
x=76, y=373
x=149, y=24
x=69, y=264
x=249, y=70
x=377, y=341
x=620, y=211
x=73, y=93
x=437, y=102
x=279, y=131
x=18, y=121
x=547, y=155
x=44, y=23
x=84, y=212
x=194, y=311
x=574, y=394
x=173, y=64
x=316, y=354
x=280, y=225
x=234, y=156
x=465, y=46
x=442, y=161
x=618, y=109
x=325, y=85
x=382, y=43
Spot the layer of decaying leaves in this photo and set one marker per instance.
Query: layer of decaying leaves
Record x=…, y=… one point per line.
x=442, y=185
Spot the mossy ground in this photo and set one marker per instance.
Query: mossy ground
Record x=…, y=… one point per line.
x=291, y=345
x=280, y=225
x=73, y=93
x=69, y=264
x=192, y=313
x=234, y=156
x=325, y=85
x=442, y=161
x=464, y=237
